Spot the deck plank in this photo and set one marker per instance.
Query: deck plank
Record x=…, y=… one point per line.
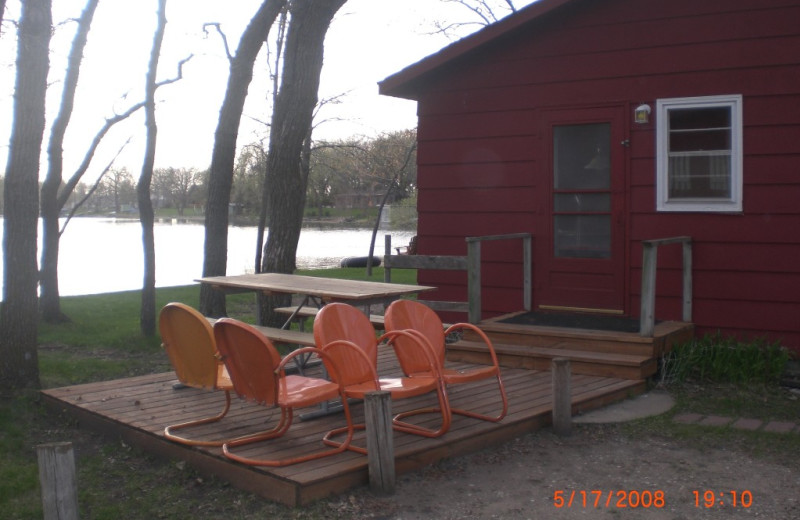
x=139, y=408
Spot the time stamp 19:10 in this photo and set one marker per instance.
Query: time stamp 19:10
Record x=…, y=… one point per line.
x=625, y=498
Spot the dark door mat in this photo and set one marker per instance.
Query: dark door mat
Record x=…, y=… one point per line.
x=575, y=321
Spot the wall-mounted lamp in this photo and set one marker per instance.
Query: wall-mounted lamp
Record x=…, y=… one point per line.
x=641, y=115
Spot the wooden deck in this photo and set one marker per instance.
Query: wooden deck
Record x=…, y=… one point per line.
x=137, y=409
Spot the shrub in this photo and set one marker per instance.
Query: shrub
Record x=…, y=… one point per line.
x=718, y=359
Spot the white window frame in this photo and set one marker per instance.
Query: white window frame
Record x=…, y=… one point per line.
x=719, y=205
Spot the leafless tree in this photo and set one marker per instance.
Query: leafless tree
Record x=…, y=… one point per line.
x=19, y=362
x=290, y=134
x=220, y=178
x=50, y=305
x=147, y=315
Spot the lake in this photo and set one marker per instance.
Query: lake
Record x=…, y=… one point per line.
x=101, y=255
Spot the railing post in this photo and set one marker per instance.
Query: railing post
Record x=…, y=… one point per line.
x=687, y=280
x=562, y=397
x=474, y=280
x=527, y=269
x=387, y=251
x=380, y=441
x=648, y=297
x=57, y=479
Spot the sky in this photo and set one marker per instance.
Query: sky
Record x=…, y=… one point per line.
x=368, y=41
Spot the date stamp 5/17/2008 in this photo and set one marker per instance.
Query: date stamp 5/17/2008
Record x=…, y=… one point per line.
x=646, y=498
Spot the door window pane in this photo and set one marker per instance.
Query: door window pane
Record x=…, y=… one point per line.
x=581, y=195
x=583, y=236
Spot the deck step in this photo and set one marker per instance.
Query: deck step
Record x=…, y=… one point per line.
x=665, y=336
x=604, y=364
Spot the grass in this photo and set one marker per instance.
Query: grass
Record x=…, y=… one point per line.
x=103, y=342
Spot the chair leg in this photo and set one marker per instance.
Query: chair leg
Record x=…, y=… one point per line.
x=444, y=409
x=289, y=414
x=168, y=431
x=328, y=438
x=484, y=417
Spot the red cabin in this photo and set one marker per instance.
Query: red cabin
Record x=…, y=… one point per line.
x=599, y=125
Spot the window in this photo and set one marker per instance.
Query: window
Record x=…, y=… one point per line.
x=699, y=154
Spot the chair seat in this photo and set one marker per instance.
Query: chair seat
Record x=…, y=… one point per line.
x=399, y=387
x=300, y=391
x=454, y=377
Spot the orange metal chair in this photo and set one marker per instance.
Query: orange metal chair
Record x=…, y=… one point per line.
x=188, y=339
x=414, y=316
x=346, y=334
x=258, y=375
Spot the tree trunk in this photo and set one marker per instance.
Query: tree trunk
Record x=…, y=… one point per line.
x=220, y=179
x=287, y=180
x=147, y=316
x=50, y=300
x=19, y=363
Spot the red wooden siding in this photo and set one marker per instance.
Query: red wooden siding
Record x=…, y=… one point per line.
x=482, y=151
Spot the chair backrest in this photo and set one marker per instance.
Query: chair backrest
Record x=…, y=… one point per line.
x=415, y=316
x=188, y=339
x=251, y=360
x=339, y=321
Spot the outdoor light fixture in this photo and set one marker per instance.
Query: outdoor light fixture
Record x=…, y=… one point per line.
x=641, y=115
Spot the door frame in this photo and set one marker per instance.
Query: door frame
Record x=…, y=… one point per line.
x=616, y=267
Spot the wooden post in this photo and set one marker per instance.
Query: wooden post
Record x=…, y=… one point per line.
x=687, y=280
x=648, y=297
x=387, y=251
x=380, y=441
x=474, y=280
x=562, y=397
x=58, y=481
x=527, y=264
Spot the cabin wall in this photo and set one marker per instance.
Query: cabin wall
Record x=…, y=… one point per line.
x=482, y=171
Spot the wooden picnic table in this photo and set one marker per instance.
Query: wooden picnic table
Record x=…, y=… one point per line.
x=327, y=290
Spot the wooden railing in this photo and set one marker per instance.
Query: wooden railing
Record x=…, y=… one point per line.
x=470, y=263
x=649, y=265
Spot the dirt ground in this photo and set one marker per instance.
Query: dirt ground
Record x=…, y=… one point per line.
x=520, y=480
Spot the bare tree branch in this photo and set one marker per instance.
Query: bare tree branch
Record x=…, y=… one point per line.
x=222, y=35
x=487, y=12
x=93, y=188
x=110, y=122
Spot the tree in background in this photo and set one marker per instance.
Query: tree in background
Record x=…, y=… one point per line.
x=175, y=187
x=19, y=362
x=358, y=172
x=117, y=190
x=220, y=176
x=248, y=177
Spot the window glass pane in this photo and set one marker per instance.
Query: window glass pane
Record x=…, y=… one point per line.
x=700, y=140
x=699, y=153
x=582, y=236
x=701, y=176
x=699, y=118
